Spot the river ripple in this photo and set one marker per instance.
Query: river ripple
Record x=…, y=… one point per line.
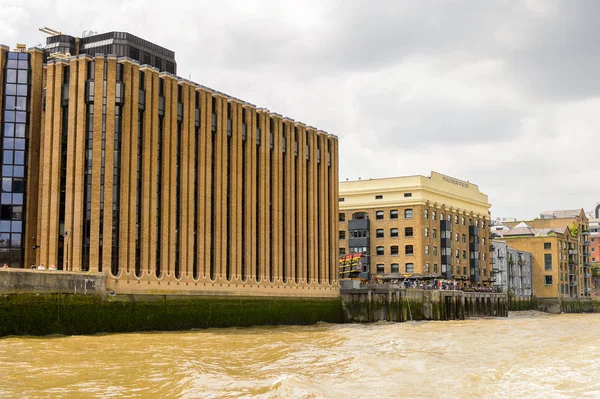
x=529, y=355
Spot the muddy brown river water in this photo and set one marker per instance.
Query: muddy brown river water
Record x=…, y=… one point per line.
x=527, y=355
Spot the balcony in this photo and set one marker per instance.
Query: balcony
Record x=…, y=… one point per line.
x=588, y=290
x=585, y=232
x=573, y=283
x=572, y=252
x=586, y=244
x=588, y=275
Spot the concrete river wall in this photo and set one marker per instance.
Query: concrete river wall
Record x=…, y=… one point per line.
x=389, y=303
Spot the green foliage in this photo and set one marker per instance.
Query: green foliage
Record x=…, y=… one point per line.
x=596, y=270
x=27, y=314
x=574, y=229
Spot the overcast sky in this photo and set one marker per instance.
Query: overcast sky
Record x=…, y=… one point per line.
x=505, y=94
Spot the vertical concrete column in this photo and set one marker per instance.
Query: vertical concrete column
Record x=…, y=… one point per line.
x=184, y=186
x=79, y=167
x=74, y=104
x=202, y=168
x=191, y=181
x=55, y=153
x=109, y=162
x=133, y=100
x=276, y=199
x=126, y=144
x=262, y=196
x=149, y=173
x=312, y=204
x=235, y=245
x=301, y=194
x=324, y=214
x=251, y=192
x=166, y=178
x=221, y=197
x=334, y=206
x=33, y=156
x=171, y=137
x=289, y=232
x=96, y=164
x=41, y=204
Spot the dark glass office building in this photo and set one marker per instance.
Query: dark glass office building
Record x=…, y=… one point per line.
x=121, y=44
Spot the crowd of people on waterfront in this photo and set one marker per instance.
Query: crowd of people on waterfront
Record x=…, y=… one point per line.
x=438, y=284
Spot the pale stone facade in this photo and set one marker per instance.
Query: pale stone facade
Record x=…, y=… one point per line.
x=442, y=220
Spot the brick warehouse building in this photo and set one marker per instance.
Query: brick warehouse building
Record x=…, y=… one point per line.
x=160, y=183
x=435, y=225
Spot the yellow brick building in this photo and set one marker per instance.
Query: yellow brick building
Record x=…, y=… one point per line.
x=163, y=184
x=434, y=225
x=559, y=243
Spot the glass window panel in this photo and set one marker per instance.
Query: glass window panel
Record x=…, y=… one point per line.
x=11, y=76
x=9, y=144
x=21, y=103
x=17, y=199
x=11, y=101
x=17, y=213
x=6, y=198
x=22, y=77
x=9, y=116
x=15, y=241
x=12, y=63
x=4, y=240
x=7, y=170
x=19, y=130
x=23, y=65
x=23, y=56
x=21, y=116
x=17, y=226
x=5, y=226
x=11, y=89
x=6, y=184
x=19, y=158
x=7, y=157
x=19, y=144
x=9, y=129
x=22, y=90
x=12, y=55
x=18, y=185
x=5, y=212
x=19, y=171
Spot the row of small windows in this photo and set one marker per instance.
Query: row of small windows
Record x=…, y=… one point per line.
x=394, y=250
x=395, y=268
x=394, y=233
x=408, y=214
